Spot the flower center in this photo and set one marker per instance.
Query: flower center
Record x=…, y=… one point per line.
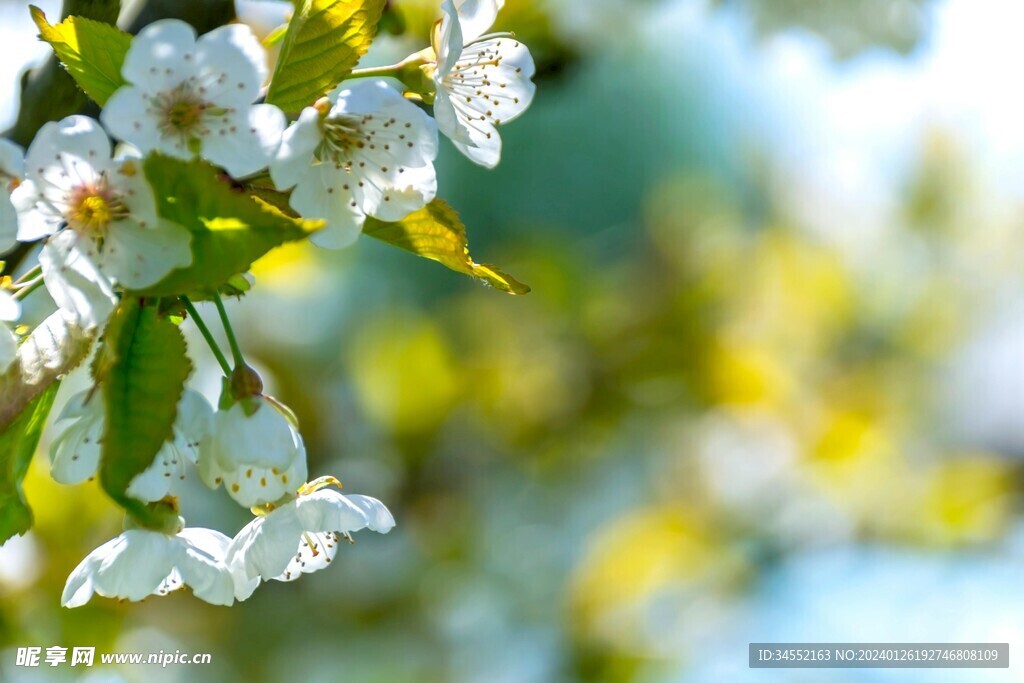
x=342, y=134
x=183, y=116
x=93, y=207
x=183, y=111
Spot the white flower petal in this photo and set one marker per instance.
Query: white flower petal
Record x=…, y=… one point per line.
x=379, y=518
x=79, y=587
x=12, y=159
x=447, y=118
x=264, y=439
x=129, y=182
x=126, y=115
x=245, y=145
x=505, y=89
x=316, y=551
x=157, y=58
x=80, y=405
x=75, y=282
x=137, y=257
x=34, y=221
x=78, y=145
x=233, y=52
x=75, y=450
x=134, y=565
x=329, y=510
x=319, y=196
x=75, y=453
x=448, y=39
x=477, y=16
x=302, y=536
x=139, y=563
x=258, y=458
x=163, y=476
x=265, y=546
x=10, y=308
x=489, y=86
x=295, y=155
x=201, y=565
x=192, y=424
x=409, y=191
x=384, y=168
x=483, y=151
x=250, y=486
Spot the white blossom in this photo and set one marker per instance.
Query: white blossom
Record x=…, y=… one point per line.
x=189, y=97
x=482, y=81
x=370, y=154
x=301, y=537
x=10, y=311
x=99, y=217
x=12, y=170
x=140, y=563
x=258, y=457
x=75, y=451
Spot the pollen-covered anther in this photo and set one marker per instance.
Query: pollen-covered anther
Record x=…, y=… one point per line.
x=92, y=207
x=342, y=134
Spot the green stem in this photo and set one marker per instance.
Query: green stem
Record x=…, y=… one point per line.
x=236, y=351
x=28, y=288
x=205, y=331
x=33, y=272
x=391, y=71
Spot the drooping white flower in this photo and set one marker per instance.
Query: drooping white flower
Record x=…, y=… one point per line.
x=189, y=97
x=482, y=80
x=12, y=170
x=10, y=311
x=99, y=217
x=75, y=451
x=370, y=154
x=140, y=563
x=301, y=537
x=258, y=457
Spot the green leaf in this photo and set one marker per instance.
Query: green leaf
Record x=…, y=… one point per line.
x=17, y=446
x=91, y=51
x=230, y=229
x=436, y=232
x=324, y=42
x=141, y=391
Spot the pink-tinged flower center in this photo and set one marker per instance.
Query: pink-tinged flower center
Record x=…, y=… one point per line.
x=92, y=207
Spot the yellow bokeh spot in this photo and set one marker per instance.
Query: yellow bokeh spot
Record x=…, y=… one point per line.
x=846, y=435
x=291, y=267
x=968, y=499
x=405, y=375
x=633, y=559
x=746, y=374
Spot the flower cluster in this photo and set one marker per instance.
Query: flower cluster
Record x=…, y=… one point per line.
x=82, y=193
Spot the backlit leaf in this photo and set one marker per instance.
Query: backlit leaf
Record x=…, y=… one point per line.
x=324, y=42
x=91, y=51
x=436, y=232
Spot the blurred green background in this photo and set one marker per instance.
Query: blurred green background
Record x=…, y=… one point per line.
x=767, y=387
